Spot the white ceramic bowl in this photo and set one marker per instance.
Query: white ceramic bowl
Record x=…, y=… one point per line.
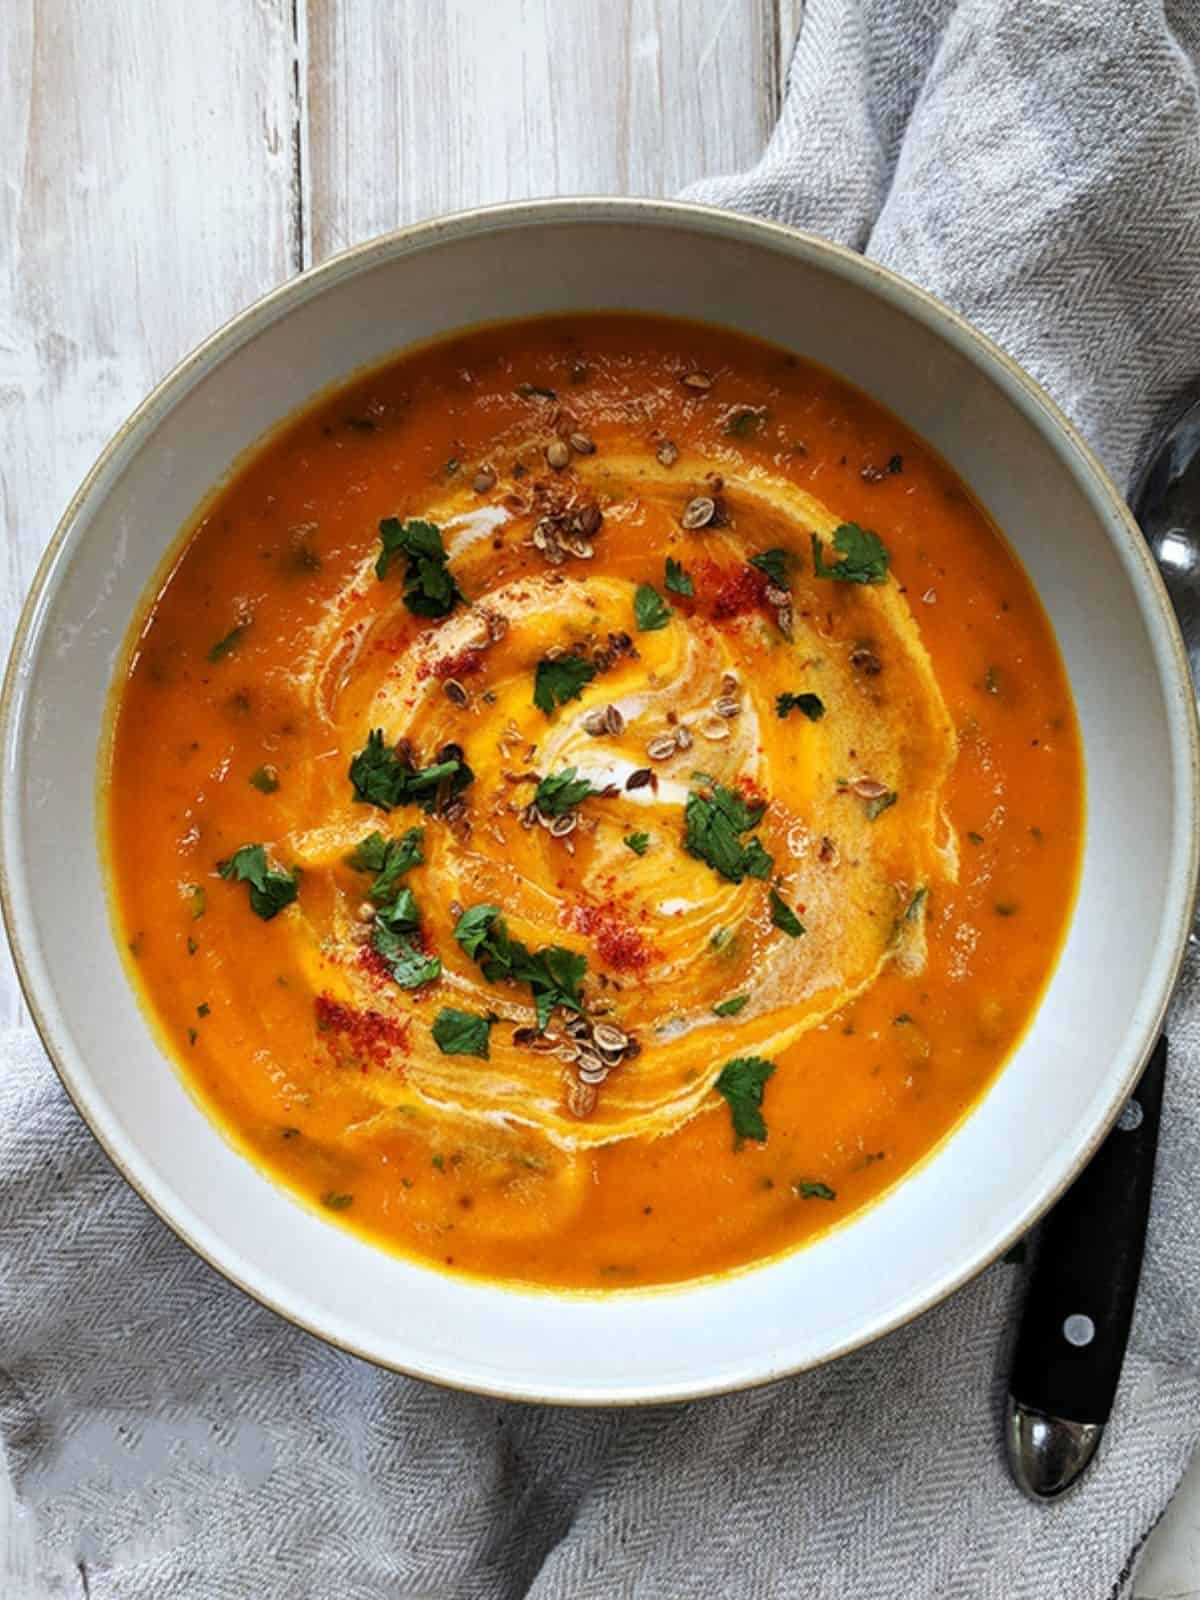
x=1048, y=1108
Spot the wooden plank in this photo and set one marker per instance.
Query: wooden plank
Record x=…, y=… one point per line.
x=426, y=106
x=147, y=191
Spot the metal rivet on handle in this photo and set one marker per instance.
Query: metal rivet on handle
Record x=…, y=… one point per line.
x=1079, y=1330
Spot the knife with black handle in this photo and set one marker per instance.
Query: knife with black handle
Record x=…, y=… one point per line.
x=1080, y=1301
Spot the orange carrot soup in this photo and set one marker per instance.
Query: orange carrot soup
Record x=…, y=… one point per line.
x=593, y=802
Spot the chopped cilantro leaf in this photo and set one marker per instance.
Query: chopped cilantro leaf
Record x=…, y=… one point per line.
x=552, y=973
x=270, y=889
x=461, y=1033
x=650, y=609
x=561, y=792
x=335, y=1201
x=713, y=821
x=408, y=966
x=382, y=777
x=429, y=586
x=226, y=646
x=559, y=680
x=784, y=917
x=388, y=859
x=639, y=843
x=731, y=1007
x=776, y=563
x=813, y=1191
x=677, y=580
x=916, y=905
x=741, y=1082
x=811, y=705
x=864, y=556
x=879, y=804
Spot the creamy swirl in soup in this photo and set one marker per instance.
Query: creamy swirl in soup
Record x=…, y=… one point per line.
x=594, y=802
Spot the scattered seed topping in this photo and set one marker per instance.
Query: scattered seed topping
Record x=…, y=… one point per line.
x=662, y=747
x=866, y=661
x=455, y=692
x=639, y=779
x=558, y=453
x=582, y=444
x=698, y=380
x=484, y=480
x=667, y=453
x=698, y=513
x=728, y=706
x=869, y=788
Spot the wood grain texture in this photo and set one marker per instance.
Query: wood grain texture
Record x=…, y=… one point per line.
x=421, y=107
x=146, y=193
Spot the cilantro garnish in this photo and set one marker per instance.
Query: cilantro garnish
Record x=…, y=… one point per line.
x=228, y=644
x=335, y=1201
x=731, y=1007
x=561, y=792
x=408, y=966
x=784, y=917
x=776, y=564
x=639, y=843
x=814, y=1191
x=677, y=580
x=382, y=777
x=560, y=679
x=650, y=609
x=876, y=806
x=864, y=556
x=429, y=586
x=461, y=1033
x=811, y=705
x=388, y=859
x=552, y=973
x=741, y=1082
x=714, y=818
x=265, y=780
x=270, y=889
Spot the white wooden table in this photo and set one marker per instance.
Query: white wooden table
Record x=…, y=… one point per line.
x=164, y=162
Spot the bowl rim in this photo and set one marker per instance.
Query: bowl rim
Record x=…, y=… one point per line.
x=983, y=353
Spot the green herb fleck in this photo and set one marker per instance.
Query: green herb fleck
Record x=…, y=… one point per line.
x=864, y=556
x=265, y=779
x=731, y=1007
x=677, y=580
x=429, y=586
x=880, y=803
x=461, y=1033
x=559, y=680
x=639, y=843
x=811, y=705
x=916, y=904
x=776, y=563
x=975, y=838
x=192, y=1035
x=713, y=820
x=742, y=1082
x=198, y=900
x=270, y=889
x=382, y=777
x=561, y=792
x=552, y=973
x=813, y=1191
x=388, y=859
x=650, y=609
x=784, y=917
x=226, y=646
x=1006, y=908
x=335, y=1201
x=439, y=1161
x=203, y=1009
x=743, y=422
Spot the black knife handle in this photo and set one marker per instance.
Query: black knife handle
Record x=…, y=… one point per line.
x=1084, y=1283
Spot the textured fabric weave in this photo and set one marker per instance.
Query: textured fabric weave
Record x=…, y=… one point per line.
x=1036, y=163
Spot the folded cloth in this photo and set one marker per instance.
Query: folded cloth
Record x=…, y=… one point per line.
x=1037, y=165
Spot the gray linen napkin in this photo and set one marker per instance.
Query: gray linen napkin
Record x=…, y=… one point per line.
x=1037, y=164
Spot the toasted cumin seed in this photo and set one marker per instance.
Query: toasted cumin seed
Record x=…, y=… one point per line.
x=608, y=1037
x=866, y=661
x=455, y=693
x=662, y=747
x=575, y=544
x=590, y=519
x=698, y=380
x=730, y=682
x=869, y=788
x=581, y=1099
x=683, y=739
x=595, y=723
x=484, y=480
x=698, y=513
x=667, y=453
x=558, y=453
x=582, y=444
x=591, y=1075
x=728, y=706
x=715, y=729
x=614, y=721
x=560, y=827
